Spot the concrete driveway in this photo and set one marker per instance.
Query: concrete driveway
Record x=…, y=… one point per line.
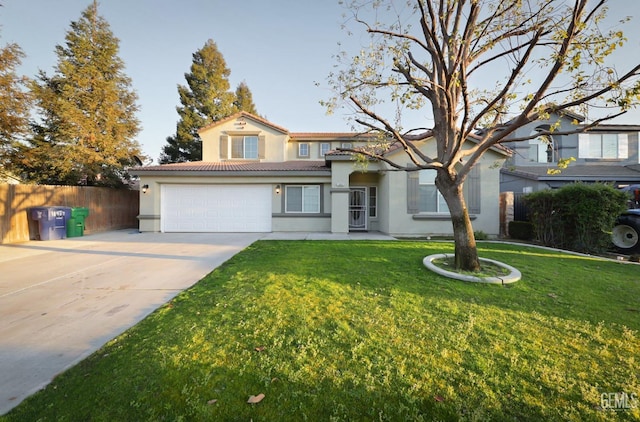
x=62, y=300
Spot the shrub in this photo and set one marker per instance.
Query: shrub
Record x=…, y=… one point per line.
x=543, y=217
x=480, y=235
x=577, y=216
x=521, y=230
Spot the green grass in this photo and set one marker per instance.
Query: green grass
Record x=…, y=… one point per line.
x=361, y=331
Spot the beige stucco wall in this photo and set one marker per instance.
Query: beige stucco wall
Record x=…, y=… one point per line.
x=398, y=222
x=314, y=148
x=275, y=140
x=150, y=202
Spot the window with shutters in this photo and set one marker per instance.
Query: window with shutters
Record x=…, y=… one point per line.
x=431, y=200
x=424, y=198
x=244, y=147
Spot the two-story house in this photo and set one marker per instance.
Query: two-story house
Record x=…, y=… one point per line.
x=607, y=153
x=256, y=176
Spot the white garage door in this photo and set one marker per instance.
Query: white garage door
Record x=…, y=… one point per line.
x=216, y=208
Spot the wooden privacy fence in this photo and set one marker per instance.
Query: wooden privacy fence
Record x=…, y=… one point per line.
x=109, y=209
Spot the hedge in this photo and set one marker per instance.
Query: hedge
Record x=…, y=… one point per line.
x=577, y=217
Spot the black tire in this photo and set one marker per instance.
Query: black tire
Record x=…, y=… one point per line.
x=626, y=234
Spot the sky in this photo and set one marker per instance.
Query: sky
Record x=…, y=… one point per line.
x=282, y=49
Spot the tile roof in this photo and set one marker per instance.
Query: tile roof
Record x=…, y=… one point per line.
x=586, y=172
x=330, y=136
x=237, y=166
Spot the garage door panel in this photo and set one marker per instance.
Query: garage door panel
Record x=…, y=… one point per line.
x=216, y=208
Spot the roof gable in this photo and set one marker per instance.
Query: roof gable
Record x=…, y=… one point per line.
x=430, y=141
x=240, y=116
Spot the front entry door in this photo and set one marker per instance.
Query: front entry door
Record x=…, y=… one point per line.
x=358, y=209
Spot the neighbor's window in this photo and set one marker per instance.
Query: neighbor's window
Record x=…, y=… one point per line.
x=245, y=147
x=431, y=200
x=603, y=145
x=302, y=199
x=541, y=150
x=325, y=147
x=303, y=150
x=346, y=145
x=373, y=201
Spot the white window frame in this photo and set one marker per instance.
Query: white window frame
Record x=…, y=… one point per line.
x=304, y=206
x=427, y=178
x=301, y=147
x=325, y=147
x=244, y=147
x=373, y=201
x=592, y=145
x=346, y=145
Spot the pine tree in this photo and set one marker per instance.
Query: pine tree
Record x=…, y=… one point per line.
x=244, y=99
x=88, y=126
x=14, y=104
x=206, y=98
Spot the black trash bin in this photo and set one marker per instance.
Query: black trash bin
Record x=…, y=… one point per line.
x=52, y=221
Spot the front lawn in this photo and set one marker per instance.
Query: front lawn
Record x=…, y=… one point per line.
x=361, y=331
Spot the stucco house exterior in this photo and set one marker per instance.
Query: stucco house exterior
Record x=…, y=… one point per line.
x=607, y=153
x=256, y=176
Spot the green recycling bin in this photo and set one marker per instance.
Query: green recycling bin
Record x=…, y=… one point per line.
x=75, y=225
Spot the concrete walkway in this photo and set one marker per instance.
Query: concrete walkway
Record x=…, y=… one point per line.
x=61, y=300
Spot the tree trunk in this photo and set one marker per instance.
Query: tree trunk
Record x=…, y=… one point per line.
x=466, y=252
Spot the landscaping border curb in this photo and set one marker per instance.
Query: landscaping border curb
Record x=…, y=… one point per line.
x=512, y=277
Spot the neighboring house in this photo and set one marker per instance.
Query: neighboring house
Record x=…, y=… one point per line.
x=607, y=153
x=259, y=177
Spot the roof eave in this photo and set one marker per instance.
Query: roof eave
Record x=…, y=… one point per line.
x=234, y=173
x=255, y=118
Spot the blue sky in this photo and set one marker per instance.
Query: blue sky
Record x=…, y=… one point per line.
x=280, y=48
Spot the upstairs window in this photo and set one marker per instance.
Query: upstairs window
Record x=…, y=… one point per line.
x=303, y=150
x=542, y=150
x=325, y=147
x=244, y=147
x=603, y=145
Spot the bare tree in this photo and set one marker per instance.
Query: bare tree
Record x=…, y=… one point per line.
x=434, y=58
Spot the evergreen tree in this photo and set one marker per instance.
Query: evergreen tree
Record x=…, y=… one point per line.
x=88, y=124
x=244, y=99
x=206, y=98
x=14, y=104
